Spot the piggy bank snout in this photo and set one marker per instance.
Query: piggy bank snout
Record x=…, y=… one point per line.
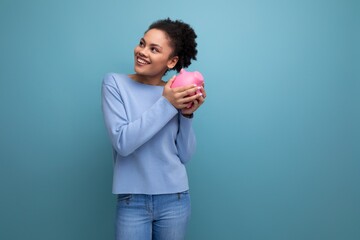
x=198, y=76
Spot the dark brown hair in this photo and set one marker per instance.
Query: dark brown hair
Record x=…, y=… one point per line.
x=182, y=37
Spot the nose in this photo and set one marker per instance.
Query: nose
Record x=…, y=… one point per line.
x=143, y=52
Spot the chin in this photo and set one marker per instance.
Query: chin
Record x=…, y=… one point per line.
x=139, y=71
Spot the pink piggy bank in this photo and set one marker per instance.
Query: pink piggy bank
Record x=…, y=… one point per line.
x=188, y=78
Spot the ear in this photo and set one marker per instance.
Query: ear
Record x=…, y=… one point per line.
x=172, y=62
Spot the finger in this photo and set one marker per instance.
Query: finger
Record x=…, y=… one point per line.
x=185, y=88
x=190, y=92
x=170, y=82
x=201, y=100
x=203, y=92
x=195, y=105
x=191, y=98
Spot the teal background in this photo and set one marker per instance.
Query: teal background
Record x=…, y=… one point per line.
x=278, y=152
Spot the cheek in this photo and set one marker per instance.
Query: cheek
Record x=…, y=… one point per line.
x=161, y=60
x=136, y=49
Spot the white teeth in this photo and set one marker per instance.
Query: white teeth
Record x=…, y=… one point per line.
x=141, y=61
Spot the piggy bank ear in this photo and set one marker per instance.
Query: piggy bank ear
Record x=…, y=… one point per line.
x=182, y=70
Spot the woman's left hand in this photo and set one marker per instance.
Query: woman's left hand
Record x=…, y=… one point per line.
x=195, y=104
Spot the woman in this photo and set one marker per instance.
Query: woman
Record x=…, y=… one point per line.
x=150, y=128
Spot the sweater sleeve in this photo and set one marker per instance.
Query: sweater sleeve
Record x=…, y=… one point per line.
x=185, y=140
x=127, y=136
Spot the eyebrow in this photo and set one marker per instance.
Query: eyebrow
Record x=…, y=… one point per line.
x=151, y=44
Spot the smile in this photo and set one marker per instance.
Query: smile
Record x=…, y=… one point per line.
x=141, y=61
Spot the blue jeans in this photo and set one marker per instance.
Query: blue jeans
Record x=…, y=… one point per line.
x=156, y=217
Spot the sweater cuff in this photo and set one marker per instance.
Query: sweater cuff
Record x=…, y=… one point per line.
x=167, y=105
x=186, y=120
x=189, y=116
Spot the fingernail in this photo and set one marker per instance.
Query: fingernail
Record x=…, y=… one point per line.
x=199, y=88
x=194, y=85
x=200, y=94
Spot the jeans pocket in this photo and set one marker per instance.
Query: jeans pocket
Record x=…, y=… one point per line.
x=124, y=197
x=183, y=194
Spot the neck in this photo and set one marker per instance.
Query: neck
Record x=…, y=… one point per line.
x=149, y=80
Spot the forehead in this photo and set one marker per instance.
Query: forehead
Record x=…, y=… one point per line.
x=158, y=37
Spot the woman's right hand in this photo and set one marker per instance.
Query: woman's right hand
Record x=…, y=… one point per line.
x=180, y=97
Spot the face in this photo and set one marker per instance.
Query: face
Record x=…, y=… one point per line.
x=153, y=54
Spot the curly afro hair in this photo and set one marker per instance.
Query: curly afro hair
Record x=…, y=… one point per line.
x=182, y=38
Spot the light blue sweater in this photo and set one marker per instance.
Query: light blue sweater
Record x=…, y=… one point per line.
x=151, y=140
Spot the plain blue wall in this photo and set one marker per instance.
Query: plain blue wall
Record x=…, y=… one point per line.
x=278, y=138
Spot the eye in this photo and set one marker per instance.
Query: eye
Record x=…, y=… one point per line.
x=141, y=43
x=154, y=50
